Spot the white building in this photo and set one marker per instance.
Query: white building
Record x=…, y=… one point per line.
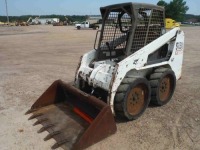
x=45, y=20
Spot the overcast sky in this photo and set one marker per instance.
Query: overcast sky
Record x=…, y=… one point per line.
x=72, y=7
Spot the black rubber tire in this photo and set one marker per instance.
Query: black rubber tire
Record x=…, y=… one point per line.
x=78, y=27
x=121, y=97
x=96, y=28
x=156, y=81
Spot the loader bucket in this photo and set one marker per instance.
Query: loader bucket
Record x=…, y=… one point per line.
x=73, y=118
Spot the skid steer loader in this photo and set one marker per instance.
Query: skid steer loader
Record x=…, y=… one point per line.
x=134, y=61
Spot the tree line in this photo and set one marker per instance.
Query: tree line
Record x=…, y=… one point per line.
x=61, y=17
x=78, y=18
x=192, y=17
x=175, y=9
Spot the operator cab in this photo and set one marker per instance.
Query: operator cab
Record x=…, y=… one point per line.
x=127, y=28
x=117, y=24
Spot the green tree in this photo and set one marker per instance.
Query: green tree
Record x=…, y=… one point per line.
x=175, y=9
x=162, y=3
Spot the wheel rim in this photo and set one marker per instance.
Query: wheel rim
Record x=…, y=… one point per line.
x=136, y=99
x=165, y=89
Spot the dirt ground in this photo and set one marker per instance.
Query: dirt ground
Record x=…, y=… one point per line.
x=31, y=58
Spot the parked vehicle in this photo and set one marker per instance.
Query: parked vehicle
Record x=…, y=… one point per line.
x=89, y=24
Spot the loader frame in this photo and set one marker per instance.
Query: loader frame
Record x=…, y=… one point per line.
x=145, y=40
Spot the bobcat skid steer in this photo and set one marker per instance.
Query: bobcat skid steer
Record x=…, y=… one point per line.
x=134, y=62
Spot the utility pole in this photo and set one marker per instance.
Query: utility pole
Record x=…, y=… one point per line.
x=7, y=11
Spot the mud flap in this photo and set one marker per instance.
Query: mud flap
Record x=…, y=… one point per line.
x=73, y=118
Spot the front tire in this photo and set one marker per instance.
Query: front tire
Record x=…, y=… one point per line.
x=132, y=98
x=163, y=83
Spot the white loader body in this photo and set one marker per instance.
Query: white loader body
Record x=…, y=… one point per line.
x=108, y=75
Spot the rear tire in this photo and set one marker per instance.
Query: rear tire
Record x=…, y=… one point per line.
x=78, y=27
x=163, y=83
x=132, y=98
